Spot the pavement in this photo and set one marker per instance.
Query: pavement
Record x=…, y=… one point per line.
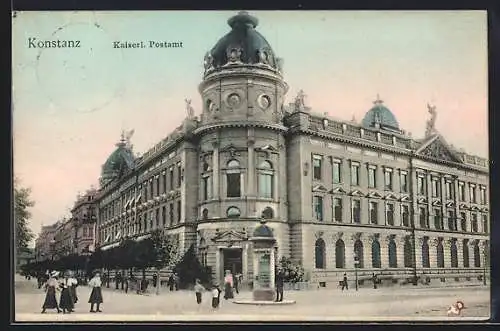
x=387, y=304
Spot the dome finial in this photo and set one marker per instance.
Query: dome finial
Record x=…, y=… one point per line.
x=243, y=19
x=378, y=102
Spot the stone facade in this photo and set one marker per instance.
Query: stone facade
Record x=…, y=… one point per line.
x=328, y=188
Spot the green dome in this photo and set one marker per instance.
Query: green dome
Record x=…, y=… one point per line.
x=121, y=160
x=382, y=115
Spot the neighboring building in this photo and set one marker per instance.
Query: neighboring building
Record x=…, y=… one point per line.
x=84, y=217
x=328, y=188
x=44, y=244
x=64, y=239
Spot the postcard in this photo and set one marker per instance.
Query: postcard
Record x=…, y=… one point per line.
x=251, y=166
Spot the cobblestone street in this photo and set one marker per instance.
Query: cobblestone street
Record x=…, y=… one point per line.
x=321, y=304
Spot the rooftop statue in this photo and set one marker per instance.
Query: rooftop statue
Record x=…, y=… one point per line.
x=189, y=109
x=300, y=104
x=430, y=126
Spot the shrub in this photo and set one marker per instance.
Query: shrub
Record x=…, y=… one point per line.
x=294, y=273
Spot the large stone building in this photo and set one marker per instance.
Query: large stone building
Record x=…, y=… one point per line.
x=45, y=242
x=329, y=189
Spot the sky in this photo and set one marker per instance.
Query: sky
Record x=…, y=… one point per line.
x=70, y=105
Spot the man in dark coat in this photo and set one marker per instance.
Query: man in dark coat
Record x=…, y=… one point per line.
x=375, y=281
x=155, y=279
x=345, y=284
x=280, y=278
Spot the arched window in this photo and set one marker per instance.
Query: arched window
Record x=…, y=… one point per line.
x=454, y=254
x=204, y=214
x=233, y=179
x=320, y=254
x=408, y=253
x=393, y=258
x=425, y=254
x=465, y=252
x=233, y=212
x=477, y=256
x=266, y=180
x=376, y=254
x=340, y=254
x=358, y=251
x=440, y=254
x=268, y=213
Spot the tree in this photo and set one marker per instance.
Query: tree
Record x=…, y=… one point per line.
x=189, y=268
x=22, y=203
x=164, y=253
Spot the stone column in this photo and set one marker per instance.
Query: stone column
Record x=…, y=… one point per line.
x=400, y=252
x=460, y=253
x=349, y=251
x=365, y=210
x=419, y=241
x=216, y=171
x=444, y=212
x=379, y=178
x=251, y=191
x=433, y=242
x=447, y=242
x=384, y=251
x=363, y=175
x=471, y=253
x=346, y=209
x=429, y=200
x=398, y=220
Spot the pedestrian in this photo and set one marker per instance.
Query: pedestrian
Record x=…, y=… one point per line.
x=176, y=281
x=155, y=279
x=237, y=283
x=198, y=290
x=216, y=296
x=280, y=278
x=228, y=285
x=66, y=300
x=345, y=284
x=96, y=295
x=50, y=296
x=117, y=280
x=375, y=281
x=73, y=282
x=171, y=282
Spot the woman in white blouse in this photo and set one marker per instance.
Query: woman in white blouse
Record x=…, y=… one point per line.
x=96, y=295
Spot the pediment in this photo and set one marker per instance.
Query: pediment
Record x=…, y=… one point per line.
x=450, y=204
x=405, y=198
x=391, y=196
x=374, y=194
x=267, y=148
x=437, y=148
x=357, y=193
x=463, y=206
x=474, y=208
x=422, y=200
x=484, y=209
x=436, y=203
x=319, y=188
x=231, y=149
x=230, y=236
x=338, y=190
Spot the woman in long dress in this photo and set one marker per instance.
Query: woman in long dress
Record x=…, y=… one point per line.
x=228, y=285
x=73, y=283
x=96, y=295
x=66, y=301
x=50, y=296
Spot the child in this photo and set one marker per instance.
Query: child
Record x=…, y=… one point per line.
x=198, y=289
x=216, y=296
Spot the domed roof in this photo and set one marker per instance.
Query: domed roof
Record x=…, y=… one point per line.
x=263, y=231
x=242, y=45
x=381, y=115
x=118, y=162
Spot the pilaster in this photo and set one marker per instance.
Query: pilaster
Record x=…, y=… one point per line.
x=433, y=243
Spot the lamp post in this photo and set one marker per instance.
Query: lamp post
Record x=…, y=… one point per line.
x=356, y=264
x=158, y=280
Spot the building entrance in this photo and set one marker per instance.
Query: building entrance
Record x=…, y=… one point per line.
x=232, y=260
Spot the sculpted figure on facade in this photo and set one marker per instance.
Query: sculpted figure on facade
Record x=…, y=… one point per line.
x=263, y=56
x=189, y=109
x=300, y=104
x=430, y=127
x=234, y=54
x=208, y=61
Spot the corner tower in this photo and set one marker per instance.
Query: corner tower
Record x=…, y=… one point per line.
x=243, y=77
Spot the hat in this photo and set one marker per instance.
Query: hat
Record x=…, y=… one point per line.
x=54, y=274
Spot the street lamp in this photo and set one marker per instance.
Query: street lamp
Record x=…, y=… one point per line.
x=356, y=264
x=158, y=280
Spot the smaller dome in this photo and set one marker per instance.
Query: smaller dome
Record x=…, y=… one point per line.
x=381, y=115
x=263, y=231
x=119, y=161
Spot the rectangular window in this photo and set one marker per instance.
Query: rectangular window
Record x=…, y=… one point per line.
x=474, y=225
x=318, y=208
x=436, y=188
x=206, y=187
x=473, y=193
x=356, y=211
x=336, y=168
x=438, y=224
x=179, y=175
x=151, y=188
x=450, y=192
x=233, y=185
x=424, y=223
x=452, y=222
x=421, y=185
x=179, y=211
x=461, y=191
x=317, y=161
x=404, y=182
x=157, y=182
x=337, y=210
x=164, y=175
x=405, y=215
x=372, y=179
x=373, y=212
x=354, y=173
x=485, y=224
x=164, y=215
x=388, y=179
x=171, y=178
x=265, y=184
x=389, y=210
x=483, y=195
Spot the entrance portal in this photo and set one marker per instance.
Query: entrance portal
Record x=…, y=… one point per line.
x=232, y=260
